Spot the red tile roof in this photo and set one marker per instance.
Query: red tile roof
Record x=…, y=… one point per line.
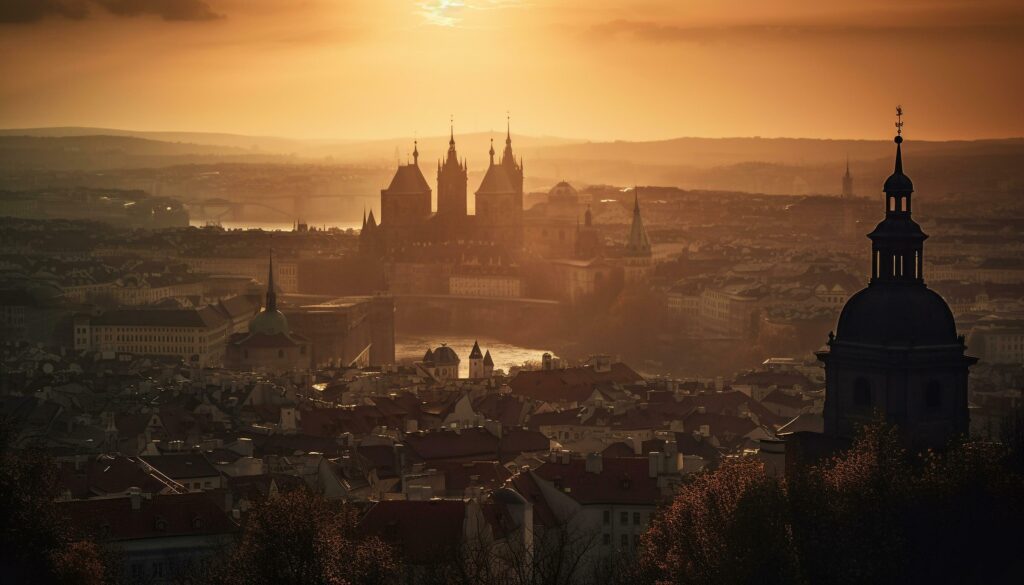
x=161, y=516
x=570, y=384
x=424, y=531
x=623, y=480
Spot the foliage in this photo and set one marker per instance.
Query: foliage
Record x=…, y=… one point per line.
x=874, y=514
x=298, y=538
x=35, y=545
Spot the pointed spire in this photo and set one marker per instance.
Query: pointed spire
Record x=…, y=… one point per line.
x=415, y=152
x=491, y=151
x=451, y=129
x=636, y=200
x=364, y=217
x=508, y=128
x=271, y=293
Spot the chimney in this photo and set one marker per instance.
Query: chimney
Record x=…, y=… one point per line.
x=653, y=464
x=136, y=496
x=595, y=463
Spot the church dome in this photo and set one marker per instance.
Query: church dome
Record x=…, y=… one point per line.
x=897, y=314
x=563, y=190
x=445, y=355
x=269, y=323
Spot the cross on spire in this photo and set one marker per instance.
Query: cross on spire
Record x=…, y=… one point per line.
x=899, y=120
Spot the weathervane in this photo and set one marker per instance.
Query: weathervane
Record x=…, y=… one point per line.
x=899, y=120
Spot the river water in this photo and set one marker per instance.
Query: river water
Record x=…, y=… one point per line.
x=273, y=226
x=409, y=348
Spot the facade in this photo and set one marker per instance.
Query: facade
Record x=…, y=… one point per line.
x=197, y=336
x=485, y=285
x=481, y=366
x=499, y=200
x=896, y=351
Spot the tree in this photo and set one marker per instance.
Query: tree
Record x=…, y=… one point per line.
x=875, y=513
x=298, y=538
x=35, y=543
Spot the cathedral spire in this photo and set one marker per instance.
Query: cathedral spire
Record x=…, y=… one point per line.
x=415, y=152
x=491, y=151
x=271, y=293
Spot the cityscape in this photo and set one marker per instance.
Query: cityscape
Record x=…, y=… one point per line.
x=543, y=342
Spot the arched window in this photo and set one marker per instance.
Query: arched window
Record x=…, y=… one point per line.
x=933, y=396
x=862, y=395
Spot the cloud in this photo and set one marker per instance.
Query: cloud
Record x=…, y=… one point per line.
x=449, y=13
x=28, y=11
x=672, y=33
x=175, y=10
x=32, y=11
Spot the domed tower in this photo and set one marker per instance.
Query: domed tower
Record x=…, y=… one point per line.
x=896, y=352
x=269, y=321
x=452, y=180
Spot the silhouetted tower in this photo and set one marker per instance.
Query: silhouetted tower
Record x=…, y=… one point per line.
x=405, y=204
x=452, y=179
x=896, y=351
x=476, y=362
x=848, y=182
x=499, y=200
x=638, y=247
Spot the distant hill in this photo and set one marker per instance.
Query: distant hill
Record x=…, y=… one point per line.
x=758, y=165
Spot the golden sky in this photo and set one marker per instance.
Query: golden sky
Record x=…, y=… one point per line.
x=597, y=69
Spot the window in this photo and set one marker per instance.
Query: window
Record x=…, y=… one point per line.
x=933, y=396
x=607, y=517
x=624, y=540
x=862, y=393
x=624, y=518
x=636, y=518
x=606, y=539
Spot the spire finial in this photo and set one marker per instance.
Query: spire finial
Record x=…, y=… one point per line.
x=491, y=151
x=508, y=127
x=416, y=152
x=451, y=130
x=899, y=139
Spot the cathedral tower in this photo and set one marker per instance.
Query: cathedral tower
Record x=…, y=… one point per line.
x=896, y=352
x=499, y=200
x=405, y=204
x=452, y=178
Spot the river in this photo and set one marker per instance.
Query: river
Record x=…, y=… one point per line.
x=273, y=226
x=409, y=348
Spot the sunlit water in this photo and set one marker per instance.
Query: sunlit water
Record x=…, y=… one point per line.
x=272, y=226
x=409, y=348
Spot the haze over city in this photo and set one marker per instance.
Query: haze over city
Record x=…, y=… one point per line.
x=511, y=292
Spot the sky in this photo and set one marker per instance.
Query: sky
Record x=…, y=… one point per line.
x=590, y=69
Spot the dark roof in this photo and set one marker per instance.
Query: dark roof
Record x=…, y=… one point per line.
x=476, y=353
x=570, y=384
x=622, y=480
x=424, y=531
x=496, y=181
x=408, y=179
x=182, y=465
x=445, y=444
x=204, y=317
x=160, y=516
